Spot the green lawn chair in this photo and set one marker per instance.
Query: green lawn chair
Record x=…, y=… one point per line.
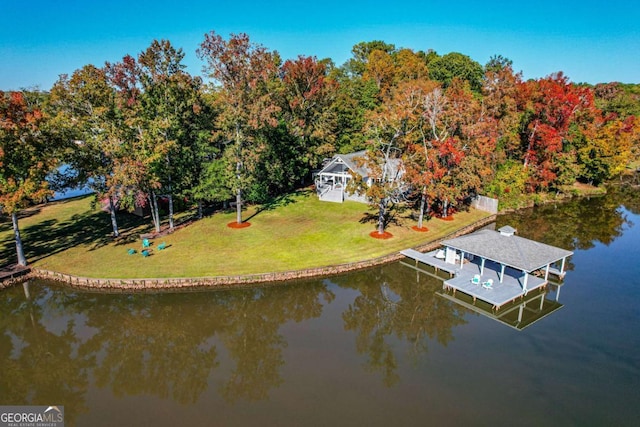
x=162, y=245
x=131, y=251
x=488, y=284
x=146, y=243
x=145, y=253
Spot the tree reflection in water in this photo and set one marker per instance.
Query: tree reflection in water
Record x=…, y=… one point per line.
x=40, y=362
x=163, y=345
x=396, y=303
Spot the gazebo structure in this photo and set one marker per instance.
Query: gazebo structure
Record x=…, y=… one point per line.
x=495, y=266
x=331, y=181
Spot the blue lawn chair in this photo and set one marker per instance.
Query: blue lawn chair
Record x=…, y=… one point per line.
x=131, y=251
x=476, y=279
x=146, y=243
x=145, y=253
x=162, y=245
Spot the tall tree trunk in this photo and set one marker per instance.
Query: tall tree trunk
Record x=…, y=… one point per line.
x=114, y=221
x=445, y=208
x=238, y=194
x=530, y=146
x=19, y=249
x=423, y=200
x=239, y=206
x=155, y=213
x=170, y=196
x=381, y=212
x=170, y=212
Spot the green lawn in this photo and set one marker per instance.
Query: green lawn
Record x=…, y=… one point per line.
x=296, y=232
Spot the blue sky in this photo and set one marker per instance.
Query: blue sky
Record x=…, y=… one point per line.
x=589, y=41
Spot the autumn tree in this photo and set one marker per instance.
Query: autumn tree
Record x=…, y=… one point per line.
x=357, y=65
x=390, y=129
x=27, y=155
x=244, y=72
x=605, y=150
x=409, y=66
x=380, y=69
x=419, y=159
x=550, y=105
x=308, y=95
x=499, y=118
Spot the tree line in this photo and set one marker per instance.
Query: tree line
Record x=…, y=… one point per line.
x=256, y=127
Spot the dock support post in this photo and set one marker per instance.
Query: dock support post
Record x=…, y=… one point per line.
x=501, y=272
x=482, y=266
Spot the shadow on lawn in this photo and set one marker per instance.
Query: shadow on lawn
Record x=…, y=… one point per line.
x=279, y=202
x=52, y=236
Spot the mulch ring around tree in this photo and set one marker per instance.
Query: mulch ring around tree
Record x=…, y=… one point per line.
x=446, y=218
x=239, y=225
x=382, y=236
x=419, y=229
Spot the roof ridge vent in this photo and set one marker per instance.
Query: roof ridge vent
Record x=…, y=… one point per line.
x=507, y=230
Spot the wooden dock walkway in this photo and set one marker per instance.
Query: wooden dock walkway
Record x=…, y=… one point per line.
x=499, y=294
x=430, y=259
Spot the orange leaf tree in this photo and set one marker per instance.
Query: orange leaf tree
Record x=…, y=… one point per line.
x=26, y=158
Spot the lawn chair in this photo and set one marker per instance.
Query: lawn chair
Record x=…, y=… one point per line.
x=131, y=251
x=145, y=253
x=488, y=284
x=146, y=243
x=476, y=279
x=162, y=245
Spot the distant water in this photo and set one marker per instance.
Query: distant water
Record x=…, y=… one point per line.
x=69, y=192
x=73, y=192
x=376, y=348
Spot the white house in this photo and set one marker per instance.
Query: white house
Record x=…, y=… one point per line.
x=331, y=181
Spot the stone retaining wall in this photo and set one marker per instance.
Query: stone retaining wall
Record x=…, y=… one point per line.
x=141, y=285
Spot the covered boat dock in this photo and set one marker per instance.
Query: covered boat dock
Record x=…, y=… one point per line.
x=495, y=266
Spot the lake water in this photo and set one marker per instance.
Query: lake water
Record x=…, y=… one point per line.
x=377, y=347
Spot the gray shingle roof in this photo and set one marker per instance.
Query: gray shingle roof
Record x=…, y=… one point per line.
x=350, y=161
x=514, y=251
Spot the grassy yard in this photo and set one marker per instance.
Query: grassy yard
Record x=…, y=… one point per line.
x=296, y=232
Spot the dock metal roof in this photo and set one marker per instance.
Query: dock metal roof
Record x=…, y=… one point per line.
x=513, y=251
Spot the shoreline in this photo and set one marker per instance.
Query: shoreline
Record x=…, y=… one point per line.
x=225, y=282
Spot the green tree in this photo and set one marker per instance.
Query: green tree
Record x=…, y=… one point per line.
x=170, y=105
x=445, y=68
x=85, y=104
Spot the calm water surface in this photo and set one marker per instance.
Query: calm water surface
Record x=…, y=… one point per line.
x=378, y=347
